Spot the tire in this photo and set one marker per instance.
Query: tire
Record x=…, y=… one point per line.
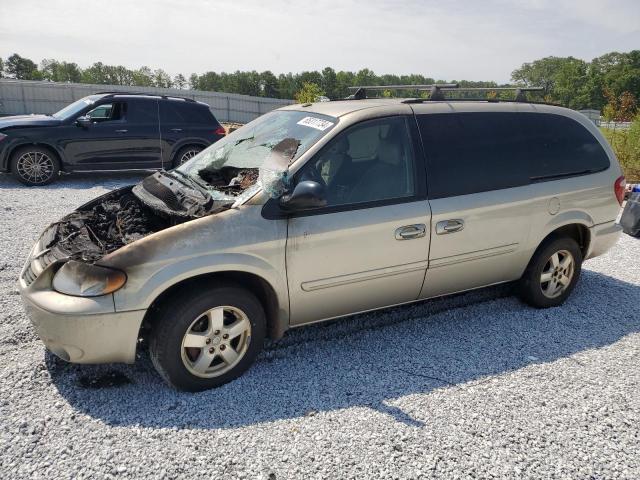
x=560, y=260
x=185, y=154
x=34, y=166
x=188, y=346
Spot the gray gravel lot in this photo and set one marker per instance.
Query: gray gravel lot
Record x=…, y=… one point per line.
x=474, y=386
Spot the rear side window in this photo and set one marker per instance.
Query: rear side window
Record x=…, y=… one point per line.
x=142, y=111
x=194, y=113
x=558, y=146
x=170, y=113
x=478, y=152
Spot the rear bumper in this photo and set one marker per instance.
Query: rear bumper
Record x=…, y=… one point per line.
x=603, y=237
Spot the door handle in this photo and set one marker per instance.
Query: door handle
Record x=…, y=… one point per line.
x=409, y=232
x=176, y=129
x=122, y=131
x=449, y=226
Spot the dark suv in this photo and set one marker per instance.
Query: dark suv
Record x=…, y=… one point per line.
x=106, y=131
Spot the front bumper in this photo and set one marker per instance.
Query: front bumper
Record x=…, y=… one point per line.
x=80, y=329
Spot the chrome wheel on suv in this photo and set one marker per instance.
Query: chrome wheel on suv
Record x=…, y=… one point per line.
x=552, y=273
x=34, y=166
x=216, y=341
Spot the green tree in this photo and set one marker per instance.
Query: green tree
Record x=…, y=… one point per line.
x=344, y=80
x=95, y=74
x=1, y=67
x=329, y=82
x=161, y=79
x=142, y=77
x=268, y=84
x=308, y=93
x=56, y=71
x=179, y=81
x=22, y=68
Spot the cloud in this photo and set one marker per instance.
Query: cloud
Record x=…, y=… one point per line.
x=447, y=40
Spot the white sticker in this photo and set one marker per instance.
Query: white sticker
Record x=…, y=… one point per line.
x=317, y=123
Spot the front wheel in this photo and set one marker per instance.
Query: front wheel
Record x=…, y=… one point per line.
x=205, y=339
x=34, y=166
x=552, y=273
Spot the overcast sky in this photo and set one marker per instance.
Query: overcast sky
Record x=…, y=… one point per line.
x=475, y=40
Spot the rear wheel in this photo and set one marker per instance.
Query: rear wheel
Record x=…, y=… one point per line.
x=552, y=274
x=34, y=165
x=205, y=339
x=186, y=153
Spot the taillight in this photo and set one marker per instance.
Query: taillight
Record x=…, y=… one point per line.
x=220, y=131
x=618, y=188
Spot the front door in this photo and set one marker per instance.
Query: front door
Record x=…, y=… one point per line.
x=369, y=247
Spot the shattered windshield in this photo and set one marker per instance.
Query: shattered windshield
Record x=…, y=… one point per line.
x=258, y=154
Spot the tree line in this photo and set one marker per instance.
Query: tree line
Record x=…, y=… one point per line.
x=611, y=81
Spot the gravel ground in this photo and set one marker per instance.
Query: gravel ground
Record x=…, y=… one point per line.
x=473, y=386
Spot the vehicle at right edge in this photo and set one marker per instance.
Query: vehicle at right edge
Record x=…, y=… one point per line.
x=318, y=211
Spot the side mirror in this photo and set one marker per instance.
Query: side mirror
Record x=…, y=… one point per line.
x=306, y=196
x=84, y=121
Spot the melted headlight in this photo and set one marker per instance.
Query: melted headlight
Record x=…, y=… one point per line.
x=86, y=280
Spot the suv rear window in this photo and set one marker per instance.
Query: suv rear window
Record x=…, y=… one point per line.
x=478, y=152
x=178, y=111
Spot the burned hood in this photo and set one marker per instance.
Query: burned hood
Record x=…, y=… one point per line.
x=124, y=216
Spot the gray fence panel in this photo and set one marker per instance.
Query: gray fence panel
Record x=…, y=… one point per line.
x=19, y=97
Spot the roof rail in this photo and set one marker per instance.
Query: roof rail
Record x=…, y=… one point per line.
x=149, y=94
x=437, y=90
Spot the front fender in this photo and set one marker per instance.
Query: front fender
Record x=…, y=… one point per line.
x=147, y=282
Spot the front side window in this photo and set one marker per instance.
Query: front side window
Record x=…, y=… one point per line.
x=107, y=112
x=371, y=161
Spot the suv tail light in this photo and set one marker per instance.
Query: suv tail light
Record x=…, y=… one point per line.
x=618, y=188
x=220, y=131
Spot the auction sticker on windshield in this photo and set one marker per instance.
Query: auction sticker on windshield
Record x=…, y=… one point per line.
x=317, y=123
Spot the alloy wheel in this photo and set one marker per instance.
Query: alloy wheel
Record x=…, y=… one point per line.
x=35, y=167
x=188, y=155
x=557, y=274
x=216, y=341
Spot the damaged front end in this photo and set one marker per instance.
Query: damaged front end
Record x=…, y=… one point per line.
x=123, y=216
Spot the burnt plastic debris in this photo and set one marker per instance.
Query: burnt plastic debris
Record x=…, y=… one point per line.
x=630, y=219
x=88, y=235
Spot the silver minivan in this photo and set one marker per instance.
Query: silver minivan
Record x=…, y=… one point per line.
x=318, y=211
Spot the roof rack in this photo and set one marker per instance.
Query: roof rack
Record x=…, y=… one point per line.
x=149, y=94
x=437, y=90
